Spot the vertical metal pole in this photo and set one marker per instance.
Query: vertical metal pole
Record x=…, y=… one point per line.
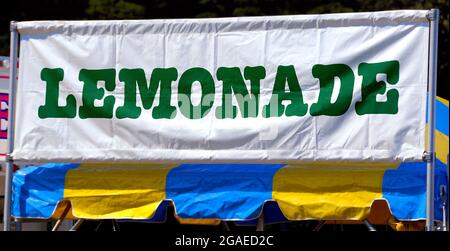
x=433, y=16
x=18, y=225
x=260, y=224
x=14, y=46
x=447, y=198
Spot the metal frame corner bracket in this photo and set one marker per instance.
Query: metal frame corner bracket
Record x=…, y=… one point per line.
x=13, y=26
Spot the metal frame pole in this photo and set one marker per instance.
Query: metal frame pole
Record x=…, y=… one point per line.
x=14, y=46
x=77, y=225
x=433, y=16
x=447, y=198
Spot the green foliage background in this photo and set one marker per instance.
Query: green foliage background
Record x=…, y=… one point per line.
x=22, y=10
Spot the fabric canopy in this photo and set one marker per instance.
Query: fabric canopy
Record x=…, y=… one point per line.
x=337, y=191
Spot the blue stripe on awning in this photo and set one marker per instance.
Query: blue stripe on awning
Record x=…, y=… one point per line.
x=442, y=117
x=405, y=190
x=272, y=214
x=38, y=189
x=220, y=191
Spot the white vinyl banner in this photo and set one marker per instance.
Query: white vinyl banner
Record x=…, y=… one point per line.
x=337, y=87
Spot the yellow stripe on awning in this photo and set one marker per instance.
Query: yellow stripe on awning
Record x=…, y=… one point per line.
x=444, y=101
x=441, y=146
x=328, y=191
x=213, y=222
x=99, y=191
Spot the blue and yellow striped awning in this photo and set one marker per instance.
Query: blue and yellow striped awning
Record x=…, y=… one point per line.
x=340, y=191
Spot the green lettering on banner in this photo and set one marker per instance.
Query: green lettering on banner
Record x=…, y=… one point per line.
x=371, y=88
x=91, y=92
x=326, y=75
x=297, y=107
x=162, y=77
x=286, y=87
x=51, y=109
x=234, y=82
x=185, y=83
